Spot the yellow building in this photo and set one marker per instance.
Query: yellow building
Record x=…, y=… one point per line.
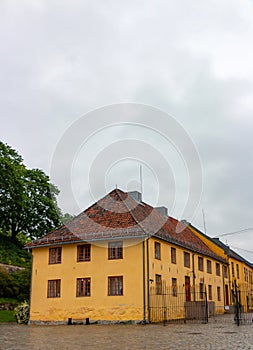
x=123, y=260
x=239, y=271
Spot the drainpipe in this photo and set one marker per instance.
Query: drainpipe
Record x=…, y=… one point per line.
x=144, y=281
x=194, y=277
x=30, y=296
x=147, y=247
x=229, y=283
x=223, y=285
x=230, y=286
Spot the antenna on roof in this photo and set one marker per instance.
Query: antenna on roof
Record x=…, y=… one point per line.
x=116, y=186
x=141, y=178
x=204, y=221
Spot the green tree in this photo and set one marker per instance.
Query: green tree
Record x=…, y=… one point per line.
x=65, y=218
x=27, y=198
x=15, y=285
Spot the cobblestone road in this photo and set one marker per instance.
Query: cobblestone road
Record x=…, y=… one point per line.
x=184, y=336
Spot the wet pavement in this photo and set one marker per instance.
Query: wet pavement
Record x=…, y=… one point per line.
x=172, y=336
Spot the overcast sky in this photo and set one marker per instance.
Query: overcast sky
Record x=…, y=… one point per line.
x=60, y=60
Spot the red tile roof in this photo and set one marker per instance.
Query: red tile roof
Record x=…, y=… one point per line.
x=119, y=215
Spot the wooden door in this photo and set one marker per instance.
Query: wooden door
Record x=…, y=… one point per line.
x=187, y=288
x=226, y=295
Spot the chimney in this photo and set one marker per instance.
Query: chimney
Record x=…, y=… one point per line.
x=162, y=210
x=135, y=195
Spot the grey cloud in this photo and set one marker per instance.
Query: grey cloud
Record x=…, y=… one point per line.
x=60, y=59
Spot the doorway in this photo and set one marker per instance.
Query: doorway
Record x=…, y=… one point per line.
x=187, y=288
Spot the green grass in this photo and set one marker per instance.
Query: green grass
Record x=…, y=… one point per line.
x=8, y=301
x=7, y=316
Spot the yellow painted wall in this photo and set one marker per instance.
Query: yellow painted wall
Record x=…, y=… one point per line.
x=245, y=284
x=168, y=270
x=99, y=306
x=220, y=252
x=243, y=281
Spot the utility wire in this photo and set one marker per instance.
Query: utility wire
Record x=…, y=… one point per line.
x=234, y=233
x=245, y=250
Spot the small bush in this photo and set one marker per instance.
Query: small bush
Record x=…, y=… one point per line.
x=21, y=313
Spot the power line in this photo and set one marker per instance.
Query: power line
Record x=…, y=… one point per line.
x=245, y=250
x=234, y=232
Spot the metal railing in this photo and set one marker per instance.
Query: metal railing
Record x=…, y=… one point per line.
x=169, y=304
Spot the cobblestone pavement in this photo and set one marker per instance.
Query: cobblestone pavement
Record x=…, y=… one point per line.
x=179, y=336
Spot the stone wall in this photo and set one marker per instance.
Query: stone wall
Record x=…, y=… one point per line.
x=11, y=268
x=7, y=306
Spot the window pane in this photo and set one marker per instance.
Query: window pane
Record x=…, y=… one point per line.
x=55, y=255
x=158, y=284
x=233, y=269
x=210, y=297
x=157, y=250
x=237, y=271
x=186, y=259
x=115, y=250
x=201, y=290
x=217, y=269
x=173, y=256
x=225, y=271
x=115, y=285
x=174, y=287
x=208, y=266
x=54, y=289
x=83, y=287
x=218, y=294
x=83, y=252
x=200, y=263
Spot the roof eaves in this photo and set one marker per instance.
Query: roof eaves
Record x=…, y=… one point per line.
x=51, y=244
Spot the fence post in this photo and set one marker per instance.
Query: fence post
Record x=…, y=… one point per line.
x=237, y=316
x=164, y=302
x=206, y=305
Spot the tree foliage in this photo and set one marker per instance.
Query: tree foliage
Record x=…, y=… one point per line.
x=27, y=198
x=15, y=285
x=12, y=252
x=65, y=218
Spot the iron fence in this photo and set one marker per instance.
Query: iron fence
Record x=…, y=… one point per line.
x=178, y=304
x=242, y=299
x=170, y=304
